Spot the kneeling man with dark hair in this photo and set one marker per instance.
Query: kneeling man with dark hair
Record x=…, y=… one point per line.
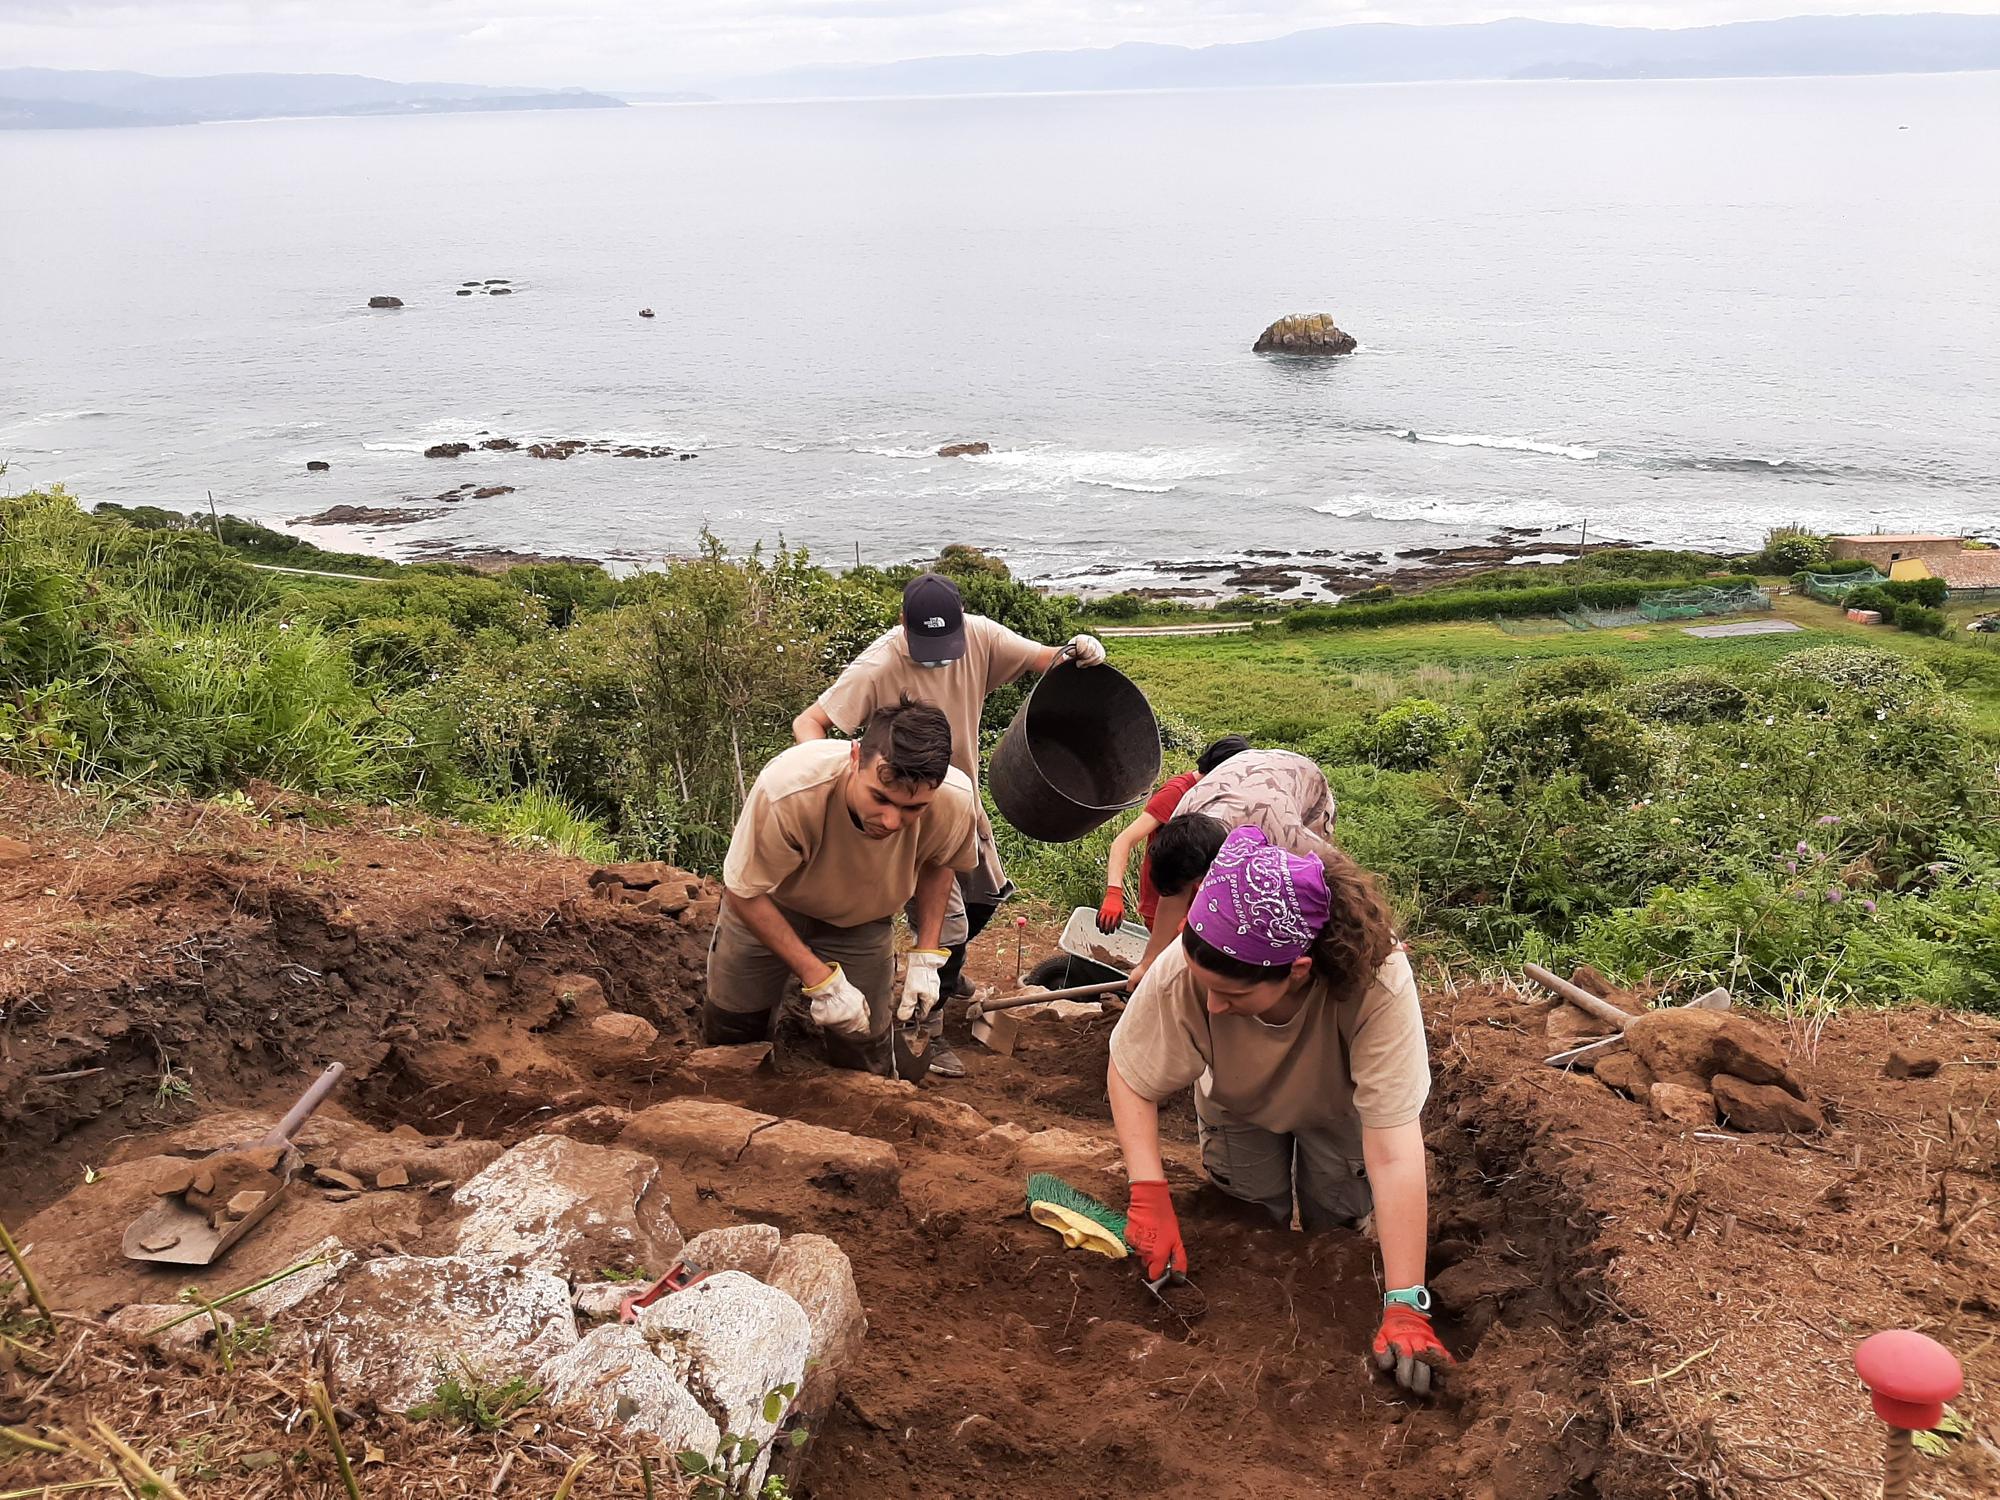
x=834, y=838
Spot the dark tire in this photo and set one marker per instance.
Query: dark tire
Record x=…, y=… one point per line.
x=1062, y=971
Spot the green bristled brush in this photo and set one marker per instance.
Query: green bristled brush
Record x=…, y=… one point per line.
x=1082, y=1221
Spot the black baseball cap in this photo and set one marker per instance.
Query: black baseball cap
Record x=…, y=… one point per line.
x=933, y=620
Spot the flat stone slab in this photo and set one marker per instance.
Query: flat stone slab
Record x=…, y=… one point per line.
x=564, y=1206
x=1740, y=627
x=392, y=1323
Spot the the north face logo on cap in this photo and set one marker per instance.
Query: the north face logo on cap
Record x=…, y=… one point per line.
x=935, y=622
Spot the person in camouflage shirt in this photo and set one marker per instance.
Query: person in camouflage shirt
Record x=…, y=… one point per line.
x=1280, y=792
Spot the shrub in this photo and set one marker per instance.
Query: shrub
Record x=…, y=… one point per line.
x=1529, y=741
x=398, y=655
x=1127, y=606
x=1570, y=677
x=1789, y=549
x=1381, y=593
x=1485, y=604
x=1688, y=695
x=1919, y=620
x=1414, y=735
x=1860, y=674
x=1929, y=592
x=1869, y=596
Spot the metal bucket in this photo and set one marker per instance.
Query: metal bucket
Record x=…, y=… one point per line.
x=1083, y=748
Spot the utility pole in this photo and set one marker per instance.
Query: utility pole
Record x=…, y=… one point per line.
x=214, y=519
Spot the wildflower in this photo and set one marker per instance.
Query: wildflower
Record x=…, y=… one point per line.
x=1869, y=907
x=1770, y=718
x=1881, y=713
x=1827, y=820
x=1836, y=894
x=1804, y=847
x=1743, y=765
x=1792, y=865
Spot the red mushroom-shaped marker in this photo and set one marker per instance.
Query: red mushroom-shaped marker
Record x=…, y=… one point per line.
x=1910, y=1378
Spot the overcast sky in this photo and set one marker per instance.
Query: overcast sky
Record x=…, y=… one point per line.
x=646, y=43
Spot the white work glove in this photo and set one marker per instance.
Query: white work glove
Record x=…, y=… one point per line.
x=1087, y=649
x=920, y=983
x=837, y=1005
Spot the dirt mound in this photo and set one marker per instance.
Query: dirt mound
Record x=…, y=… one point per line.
x=1644, y=1312
x=158, y=963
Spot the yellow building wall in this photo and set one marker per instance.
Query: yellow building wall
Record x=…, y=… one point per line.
x=1906, y=569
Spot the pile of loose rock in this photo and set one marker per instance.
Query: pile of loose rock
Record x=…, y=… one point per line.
x=1692, y=1067
x=506, y=1277
x=656, y=889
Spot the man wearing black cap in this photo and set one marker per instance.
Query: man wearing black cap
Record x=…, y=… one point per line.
x=942, y=655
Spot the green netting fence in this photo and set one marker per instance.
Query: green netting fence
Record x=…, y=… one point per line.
x=1831, y=588
x=1689, y=604
x=1599, y=619
x=1677, y=604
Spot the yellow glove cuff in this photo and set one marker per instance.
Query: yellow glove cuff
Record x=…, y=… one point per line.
x=813, y=992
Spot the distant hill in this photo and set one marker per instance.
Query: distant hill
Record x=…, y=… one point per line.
x=1384, y=53
x=42, y=98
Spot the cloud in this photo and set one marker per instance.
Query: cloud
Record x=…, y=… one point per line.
x=644, y=43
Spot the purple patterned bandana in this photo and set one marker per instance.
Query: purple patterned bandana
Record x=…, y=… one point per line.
x=1260, y=904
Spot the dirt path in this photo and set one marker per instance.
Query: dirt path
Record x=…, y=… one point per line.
x=1607, y=1353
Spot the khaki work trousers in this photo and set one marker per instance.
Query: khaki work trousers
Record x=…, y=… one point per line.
x=1322, y=1169
x=747, y=983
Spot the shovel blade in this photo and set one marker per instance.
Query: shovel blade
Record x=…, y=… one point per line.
x=1000, y=1033
x=173, y=1234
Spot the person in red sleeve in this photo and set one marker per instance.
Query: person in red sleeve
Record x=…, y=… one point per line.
x=1159, y=808
x=1290, y=1006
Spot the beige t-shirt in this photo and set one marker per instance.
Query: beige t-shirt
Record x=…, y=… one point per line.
x=796, y=842
x=1279, y=791
x=880, y=676
x=1329, y=1064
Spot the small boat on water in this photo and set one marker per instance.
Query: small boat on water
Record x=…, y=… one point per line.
x=645, y=312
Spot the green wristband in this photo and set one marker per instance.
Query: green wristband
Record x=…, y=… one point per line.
x=1418, y=1297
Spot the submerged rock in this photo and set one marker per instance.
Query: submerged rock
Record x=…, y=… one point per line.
x=1304, y=333
x=964, y=450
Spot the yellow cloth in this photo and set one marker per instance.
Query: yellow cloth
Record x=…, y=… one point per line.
x=1078, y=1232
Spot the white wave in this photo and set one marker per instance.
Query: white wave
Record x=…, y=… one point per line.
x=1137, y=489
x=75, y=414
x=1151, y=471
x=394, y=447
x=1487, y=440
x=1350, y=505
x=876, y=452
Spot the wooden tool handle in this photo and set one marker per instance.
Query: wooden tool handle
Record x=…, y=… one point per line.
x=309, y=1101
x=1581, y=998
x=1077, y=992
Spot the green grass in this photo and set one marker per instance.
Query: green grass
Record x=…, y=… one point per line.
x=1287, y=683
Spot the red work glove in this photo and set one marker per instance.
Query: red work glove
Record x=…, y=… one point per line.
x=1112, y=912
x=1407, y=1347
x=1153, y=1231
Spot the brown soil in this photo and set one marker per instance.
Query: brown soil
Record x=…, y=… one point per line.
x=1609, y=1349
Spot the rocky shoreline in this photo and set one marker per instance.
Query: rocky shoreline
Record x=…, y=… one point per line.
x=1269, y=572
